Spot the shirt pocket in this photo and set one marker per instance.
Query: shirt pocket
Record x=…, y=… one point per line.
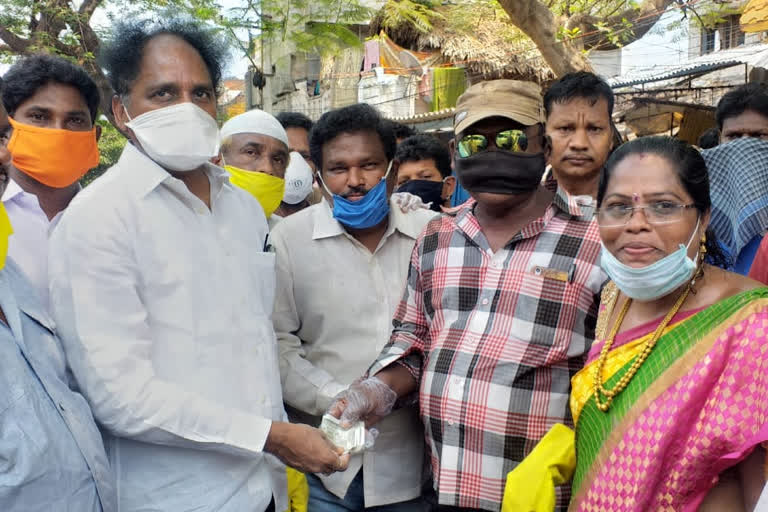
x=546, y=312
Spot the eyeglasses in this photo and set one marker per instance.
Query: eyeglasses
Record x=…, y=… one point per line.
x=508, y=140
x=662, y=212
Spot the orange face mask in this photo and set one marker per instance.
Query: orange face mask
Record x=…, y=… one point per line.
x=54, y=157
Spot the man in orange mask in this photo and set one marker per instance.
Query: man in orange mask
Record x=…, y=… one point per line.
x=52, y=106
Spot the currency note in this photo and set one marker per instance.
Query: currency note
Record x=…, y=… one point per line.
x=352, y=439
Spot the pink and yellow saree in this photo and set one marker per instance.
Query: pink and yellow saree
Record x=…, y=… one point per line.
x=697, y=406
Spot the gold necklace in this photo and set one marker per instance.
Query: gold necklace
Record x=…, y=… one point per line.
x=599, y=389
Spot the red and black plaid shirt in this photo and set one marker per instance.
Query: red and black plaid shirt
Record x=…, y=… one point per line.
x=493, y=339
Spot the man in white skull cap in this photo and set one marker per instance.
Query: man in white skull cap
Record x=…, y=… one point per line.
x=298, y=186
x=254, y=150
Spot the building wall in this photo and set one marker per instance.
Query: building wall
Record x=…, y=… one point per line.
x=606, y=63
x=695, y=31
x=392, y=95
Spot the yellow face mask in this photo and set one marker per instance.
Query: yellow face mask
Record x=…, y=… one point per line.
x=267, y=189
x=5, y=232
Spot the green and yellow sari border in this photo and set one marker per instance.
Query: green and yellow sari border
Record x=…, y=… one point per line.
x=676, y=353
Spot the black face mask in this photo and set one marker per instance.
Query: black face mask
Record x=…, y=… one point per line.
x=429, y=191
x=501, y=172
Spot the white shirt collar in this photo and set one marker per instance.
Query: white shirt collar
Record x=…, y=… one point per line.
x=11, y=191
x=149, y=175
x=327, y=226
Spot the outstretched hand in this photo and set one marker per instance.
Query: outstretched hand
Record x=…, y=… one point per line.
x=368, y=400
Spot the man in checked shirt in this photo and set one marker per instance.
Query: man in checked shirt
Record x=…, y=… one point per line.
x=499, y=309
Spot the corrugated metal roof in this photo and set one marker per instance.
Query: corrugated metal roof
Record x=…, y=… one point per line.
x=426, y=116
x=693, y=69
x=754, y=55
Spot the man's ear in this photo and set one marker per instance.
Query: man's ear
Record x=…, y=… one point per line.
x=452, y=149
x=449, y=187
x=118, y=112
x=392, y=177
x=547, y=147
x=323, y=189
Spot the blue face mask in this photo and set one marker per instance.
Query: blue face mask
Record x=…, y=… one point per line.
x=654, y=281
x=366, y=212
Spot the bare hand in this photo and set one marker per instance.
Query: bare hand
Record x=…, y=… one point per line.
x=305, y=448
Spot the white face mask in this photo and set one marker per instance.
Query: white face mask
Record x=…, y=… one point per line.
x=655, y=280
x=181, y=137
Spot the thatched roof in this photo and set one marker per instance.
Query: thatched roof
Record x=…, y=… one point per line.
x=486, y=43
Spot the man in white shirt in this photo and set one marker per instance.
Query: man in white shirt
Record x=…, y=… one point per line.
x=254, y=150
x=162, y=293
x=54, y=105
x=342, y=266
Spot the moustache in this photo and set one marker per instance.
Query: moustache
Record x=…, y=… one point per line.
x=358, y=191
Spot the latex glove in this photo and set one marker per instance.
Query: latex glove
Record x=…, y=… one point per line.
x=368, y=400
x=408, y=202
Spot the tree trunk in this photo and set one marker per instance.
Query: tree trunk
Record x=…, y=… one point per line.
x=535, y=19
x=104, y=89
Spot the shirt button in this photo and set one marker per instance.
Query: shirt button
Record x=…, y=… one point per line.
x=451, y=422
x=485, y=302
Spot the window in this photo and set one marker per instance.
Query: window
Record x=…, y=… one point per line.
x=727, y=32
x=731, y=35
x=708, y=40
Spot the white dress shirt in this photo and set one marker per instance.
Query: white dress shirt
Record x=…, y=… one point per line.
x=164, y=310
x=28, y=245
x=333, y=315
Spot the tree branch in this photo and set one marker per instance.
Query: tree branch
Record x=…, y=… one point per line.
x=535, y=19
x=643, y=18
x=88, y=7
x=16, y=43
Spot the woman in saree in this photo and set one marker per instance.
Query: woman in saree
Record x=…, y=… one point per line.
x=672, y=405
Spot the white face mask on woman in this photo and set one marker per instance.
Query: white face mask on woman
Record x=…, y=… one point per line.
x=181, y=137
x=655, y=280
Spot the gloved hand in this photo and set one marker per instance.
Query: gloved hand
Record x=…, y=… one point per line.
x=368, y=400
x=408, y=202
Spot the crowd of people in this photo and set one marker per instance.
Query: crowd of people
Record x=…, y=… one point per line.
x=580, y=332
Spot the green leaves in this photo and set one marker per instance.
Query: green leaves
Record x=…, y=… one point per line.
x=325, y=38
x=111, y=145
x=418, y=13
x=564, y=34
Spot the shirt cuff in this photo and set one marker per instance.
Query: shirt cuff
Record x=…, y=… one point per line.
x=248, y=432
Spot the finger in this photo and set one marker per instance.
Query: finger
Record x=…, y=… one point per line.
x=338, y=408
x=338, y=450
x=348, y=418
x=343, y=463
x=371, y=420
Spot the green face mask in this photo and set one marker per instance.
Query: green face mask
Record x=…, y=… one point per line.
x=267, y=189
